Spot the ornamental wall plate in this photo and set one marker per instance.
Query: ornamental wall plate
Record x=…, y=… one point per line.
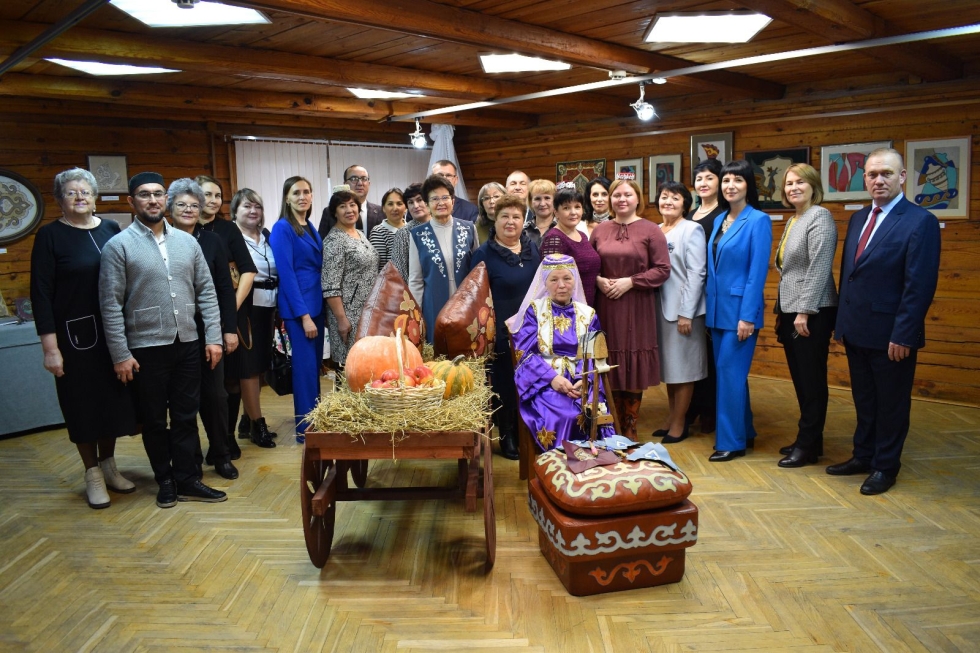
x=21, y=207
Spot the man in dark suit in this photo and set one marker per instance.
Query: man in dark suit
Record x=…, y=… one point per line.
x=462, y=209
x=357, y=178
x=889, y=272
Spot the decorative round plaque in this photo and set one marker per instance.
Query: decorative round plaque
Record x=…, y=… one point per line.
x=21, y=207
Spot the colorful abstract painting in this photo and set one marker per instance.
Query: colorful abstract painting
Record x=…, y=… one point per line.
x=842, y=170
x=770, y=169
x=663, y=168
x=939, y=175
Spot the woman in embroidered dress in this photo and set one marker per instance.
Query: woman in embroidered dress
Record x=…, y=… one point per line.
x=350, y=268
x=552, y=320
x=570, y=237
x=383, y=235
x=635, y=262
x=437, y=252
x=511, y=258
x=596, y=203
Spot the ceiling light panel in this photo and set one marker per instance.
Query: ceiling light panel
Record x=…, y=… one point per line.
x=518, y=63
x=368, y=94
x=103, y=69
x=706, y=27
x=165, y=13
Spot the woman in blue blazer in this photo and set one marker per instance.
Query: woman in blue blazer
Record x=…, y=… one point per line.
x=298, y=251
x=738, y=262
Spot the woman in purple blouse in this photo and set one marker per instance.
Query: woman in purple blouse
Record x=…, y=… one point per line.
x=570, y=237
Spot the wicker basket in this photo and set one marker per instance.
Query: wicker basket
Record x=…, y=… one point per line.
x=390, y=400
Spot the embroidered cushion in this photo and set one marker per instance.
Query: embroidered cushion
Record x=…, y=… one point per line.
x=612, y=489
x=390, y=306
x=466, y=324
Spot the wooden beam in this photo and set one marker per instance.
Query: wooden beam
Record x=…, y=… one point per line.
x=118, y=47
x=840, y=21
x=181, y=97
x=457, y=25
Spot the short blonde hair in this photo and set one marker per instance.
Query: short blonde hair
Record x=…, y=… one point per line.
x=640, y=205
x=541, y=187
x=809, y=174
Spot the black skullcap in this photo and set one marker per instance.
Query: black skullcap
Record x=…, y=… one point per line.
x=144, y=178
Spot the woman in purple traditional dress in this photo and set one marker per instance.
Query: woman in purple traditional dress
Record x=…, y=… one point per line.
x=553, y=319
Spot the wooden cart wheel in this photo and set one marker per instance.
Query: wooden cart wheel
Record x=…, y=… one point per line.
x=489, y=516
x=358, y=472
x=317, y=489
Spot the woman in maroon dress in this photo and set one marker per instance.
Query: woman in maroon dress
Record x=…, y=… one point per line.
x=635, y=262
x=570, y=237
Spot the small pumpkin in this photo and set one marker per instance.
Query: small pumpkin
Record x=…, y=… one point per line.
x=372, y=355
x=458, y=377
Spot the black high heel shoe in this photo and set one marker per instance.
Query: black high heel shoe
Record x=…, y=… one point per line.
x=725, y=456
x=659, y=433
x=674, y=439
x=798, y=458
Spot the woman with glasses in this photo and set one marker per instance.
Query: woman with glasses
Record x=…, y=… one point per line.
x=65, y=264
x=437, y=252
x=382, y=236
x=487, y=203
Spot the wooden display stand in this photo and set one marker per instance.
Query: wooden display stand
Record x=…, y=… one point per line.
x=327, y=457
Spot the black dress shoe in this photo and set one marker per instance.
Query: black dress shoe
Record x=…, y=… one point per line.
x=798, y=458
x=849, y=468
x=877, y=483
x=167, y=496
x=659, y=433
x=261, y=435
x=226, y=470
x=509, y=448
x=244, y=427
x=725, y=456
x=674, y=439
x=198, y=491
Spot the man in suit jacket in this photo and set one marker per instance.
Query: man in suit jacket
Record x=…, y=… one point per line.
x=153, y=281
x=357, y=178
x=462, y=209
x=889, y=272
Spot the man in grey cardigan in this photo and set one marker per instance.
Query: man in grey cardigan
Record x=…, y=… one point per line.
x=152, y=282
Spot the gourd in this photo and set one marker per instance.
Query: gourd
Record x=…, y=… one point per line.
x=458, y=377
x=372, y=355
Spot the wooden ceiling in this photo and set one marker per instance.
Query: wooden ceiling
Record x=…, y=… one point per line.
x=294, y=71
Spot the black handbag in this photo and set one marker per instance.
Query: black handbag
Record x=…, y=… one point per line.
x=280, y=374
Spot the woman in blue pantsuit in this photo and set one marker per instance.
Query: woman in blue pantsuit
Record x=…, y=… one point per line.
x=298, y=251
x=738, y=262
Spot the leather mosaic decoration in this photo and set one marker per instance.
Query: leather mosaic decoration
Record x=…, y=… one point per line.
x=389, y=307
x=467, y=324
x=613, y=489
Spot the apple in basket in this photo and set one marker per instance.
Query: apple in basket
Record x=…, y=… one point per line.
x=423, y=375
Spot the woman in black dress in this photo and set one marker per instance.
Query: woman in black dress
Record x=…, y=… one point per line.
x=65, y=265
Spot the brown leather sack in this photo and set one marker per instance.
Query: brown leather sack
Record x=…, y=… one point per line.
x=467, y=324
x=390, y=307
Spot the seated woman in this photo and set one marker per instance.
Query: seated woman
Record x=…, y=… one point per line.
x=553, y=319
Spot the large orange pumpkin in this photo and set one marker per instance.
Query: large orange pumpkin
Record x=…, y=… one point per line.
x=458, y=377
x=372, y=355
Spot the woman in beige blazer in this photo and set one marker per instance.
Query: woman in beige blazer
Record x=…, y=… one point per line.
x=806, y=308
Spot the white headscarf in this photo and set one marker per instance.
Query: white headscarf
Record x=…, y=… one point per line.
x=539, y=287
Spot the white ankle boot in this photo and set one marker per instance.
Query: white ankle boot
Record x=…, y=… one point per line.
x=113, y=479
x=95, y=490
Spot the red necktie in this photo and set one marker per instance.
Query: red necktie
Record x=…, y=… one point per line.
x=866, y=234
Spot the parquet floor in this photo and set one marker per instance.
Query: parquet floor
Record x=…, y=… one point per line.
x=786, y=559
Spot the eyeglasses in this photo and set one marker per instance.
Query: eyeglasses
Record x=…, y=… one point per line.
x=145, y=194
x=183, y=206
x=72, y=194
x=436, y=199
x=446, y=175
x=354, y=179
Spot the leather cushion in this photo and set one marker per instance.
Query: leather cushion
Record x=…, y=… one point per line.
x=466, y=324
x=391, y=306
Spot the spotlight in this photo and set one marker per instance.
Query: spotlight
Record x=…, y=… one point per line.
x=644, y=110
x=417, y=137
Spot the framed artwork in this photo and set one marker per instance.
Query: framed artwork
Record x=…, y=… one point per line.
x=110, y=173
x=663, y=168
x=770, y=168
x=580, y=173
x=124, y=219
x=629, y=169
x=21, y=207
x=710, y=146
x=842, y=170
x=939, y=175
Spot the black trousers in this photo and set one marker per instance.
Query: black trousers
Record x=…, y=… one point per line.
x=704, y=400
x=169, y=380
x=882, y=391
x=807, y=360
x=214, y=410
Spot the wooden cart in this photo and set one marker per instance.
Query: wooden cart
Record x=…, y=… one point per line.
x=327, y=457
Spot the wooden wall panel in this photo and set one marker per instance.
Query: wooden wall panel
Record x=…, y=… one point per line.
x=949, y=366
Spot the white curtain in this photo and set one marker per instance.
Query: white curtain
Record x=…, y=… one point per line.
x=443, y=149
x=264, y=165
x=388, y=167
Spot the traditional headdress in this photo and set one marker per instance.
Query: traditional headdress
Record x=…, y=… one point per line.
x=539, y=287
x=340, y=188
x=565, y=185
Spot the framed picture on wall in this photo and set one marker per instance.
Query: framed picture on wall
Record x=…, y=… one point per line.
x=770, y=168
x=580, y=173
x=110, y=173
x=629, y=169
x=663, y=168
x=123, y=219
x=711, y=146
x=939, y=175
x=842, y=170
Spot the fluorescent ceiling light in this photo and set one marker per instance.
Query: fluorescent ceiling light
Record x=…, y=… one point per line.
x=706, y=27
x=99, y=68
x=368, y=94
x=518, y=63
x=165, y=13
